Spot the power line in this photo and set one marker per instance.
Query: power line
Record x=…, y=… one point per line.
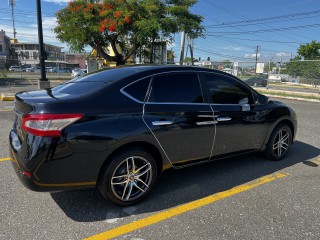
x=238, y=28
x=267, y=30
x=29, y=12
x=256, y=40
x=294, y=16
x=242, y=17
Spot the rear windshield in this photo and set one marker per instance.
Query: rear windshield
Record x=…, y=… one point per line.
x=78, y=88
x=91, y=82
x=104, y=75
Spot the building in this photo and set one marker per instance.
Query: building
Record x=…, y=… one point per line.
x=28, y=53
x=159, y=54
x=6, y=52
x=73, y=58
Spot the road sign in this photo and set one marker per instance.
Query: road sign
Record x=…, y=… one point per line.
x=260, y=68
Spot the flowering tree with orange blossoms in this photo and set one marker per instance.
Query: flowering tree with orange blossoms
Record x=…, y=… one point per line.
x=124, y=24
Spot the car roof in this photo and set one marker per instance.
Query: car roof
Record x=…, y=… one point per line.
x=153, y=69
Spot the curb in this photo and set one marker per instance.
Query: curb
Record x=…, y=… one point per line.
x=293, y=98
x=7, y=97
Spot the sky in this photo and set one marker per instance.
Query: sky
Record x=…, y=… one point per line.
x=234, y=28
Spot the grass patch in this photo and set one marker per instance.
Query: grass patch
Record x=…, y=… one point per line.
x=291, y=86
x=290, y=95
x=3, y=73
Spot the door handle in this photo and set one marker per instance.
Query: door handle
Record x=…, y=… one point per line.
x=161, y=123
x=223, y=119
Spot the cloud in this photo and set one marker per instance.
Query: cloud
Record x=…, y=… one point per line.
x=233, y=48
x=283, y=54
x=251, y=55
x=61, y=2
x=30, y=34
x=47, y=23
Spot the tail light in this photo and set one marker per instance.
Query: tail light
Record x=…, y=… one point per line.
x=48, y=125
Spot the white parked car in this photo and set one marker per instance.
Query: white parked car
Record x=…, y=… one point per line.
x=16, y=69
x=78, y=72
x=48, y=69
x=33, y=69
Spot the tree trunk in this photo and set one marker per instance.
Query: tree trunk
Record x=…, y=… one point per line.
x=120, y=61
x=151, y=51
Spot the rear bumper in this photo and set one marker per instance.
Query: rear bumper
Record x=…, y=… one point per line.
x=39, y=172
x=34, y=184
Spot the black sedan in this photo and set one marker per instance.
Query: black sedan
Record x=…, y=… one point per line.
x=257, y=82
x=119, y=129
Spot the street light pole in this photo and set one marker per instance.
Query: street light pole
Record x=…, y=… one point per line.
x=43, y=82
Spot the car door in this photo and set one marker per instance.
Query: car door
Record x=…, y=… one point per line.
x=178, y=118
x=240, y=121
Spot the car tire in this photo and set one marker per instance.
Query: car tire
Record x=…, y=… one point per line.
x=279, y=143
x=125, y=185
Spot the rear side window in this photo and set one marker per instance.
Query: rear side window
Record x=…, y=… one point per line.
x=138, y=90
x=176, y=88
x=225, y=90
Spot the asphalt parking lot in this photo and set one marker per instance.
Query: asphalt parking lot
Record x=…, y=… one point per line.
x=244, y=197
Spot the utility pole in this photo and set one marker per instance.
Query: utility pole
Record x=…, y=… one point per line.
x=183, y=39
x=43, y=82
x=185, y=59
x=257, y=53
x=280, y=65
x=191, y=48
x=12, y=3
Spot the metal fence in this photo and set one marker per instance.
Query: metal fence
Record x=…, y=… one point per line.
x=299, y=72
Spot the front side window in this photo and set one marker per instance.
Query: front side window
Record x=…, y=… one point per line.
x=225, y=90
x=176, y=88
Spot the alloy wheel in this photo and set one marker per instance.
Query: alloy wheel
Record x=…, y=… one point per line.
x=131, y=178
x=281, y=142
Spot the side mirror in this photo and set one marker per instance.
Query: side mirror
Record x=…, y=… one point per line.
x=245, y=106
x=244, y=101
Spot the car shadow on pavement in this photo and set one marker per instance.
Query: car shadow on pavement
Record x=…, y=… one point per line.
x=176, y=187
